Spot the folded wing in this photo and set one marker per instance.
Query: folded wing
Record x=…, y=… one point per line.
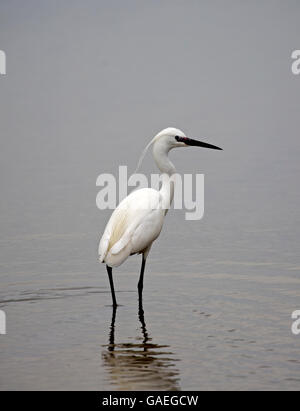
x=132, y=227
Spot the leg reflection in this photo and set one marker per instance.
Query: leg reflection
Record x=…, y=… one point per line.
x=142, y=321
x=140, y=365
x=111, y=345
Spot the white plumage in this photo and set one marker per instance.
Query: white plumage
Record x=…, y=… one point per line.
x=132, y=227
x=138, y=219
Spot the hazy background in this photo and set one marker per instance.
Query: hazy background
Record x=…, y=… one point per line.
x=88, y=84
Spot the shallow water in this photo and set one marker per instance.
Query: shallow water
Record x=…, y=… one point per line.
x=198, y=331
x=77, y=102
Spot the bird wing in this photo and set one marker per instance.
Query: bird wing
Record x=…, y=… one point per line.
x=133, y=225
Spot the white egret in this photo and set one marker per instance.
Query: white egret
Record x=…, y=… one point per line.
x=138, y=219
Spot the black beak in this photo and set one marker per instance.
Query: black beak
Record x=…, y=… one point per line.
x=191, y=142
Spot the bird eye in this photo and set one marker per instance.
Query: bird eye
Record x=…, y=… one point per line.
x=181, y=139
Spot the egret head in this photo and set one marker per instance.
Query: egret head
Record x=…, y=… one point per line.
x=172, y=137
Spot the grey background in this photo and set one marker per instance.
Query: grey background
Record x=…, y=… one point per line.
x=88, y=84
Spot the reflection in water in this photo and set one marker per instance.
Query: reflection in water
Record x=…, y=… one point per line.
x=140, y=366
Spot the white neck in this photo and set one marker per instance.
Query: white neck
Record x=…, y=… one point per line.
x=160, y=154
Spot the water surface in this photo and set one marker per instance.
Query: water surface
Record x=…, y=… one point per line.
x=88, y=85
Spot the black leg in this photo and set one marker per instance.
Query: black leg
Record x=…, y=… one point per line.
x=141, y=280
x=111, y=282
